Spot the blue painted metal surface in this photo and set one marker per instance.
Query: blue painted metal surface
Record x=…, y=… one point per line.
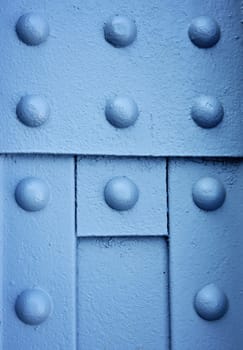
x=122, y=294
x=38, y=256
x=163, y=55
x=122, y=88
x=148, y=216
x=206, y=256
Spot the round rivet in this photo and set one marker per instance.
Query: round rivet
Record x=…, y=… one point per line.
x=208, y=193
x=121, y=193
x=211, y=303
x=33, y=110
x=32, y=29
x=207, y=111
x=121, y=111
x=32, y=194
x=204, y=32
x=120, y=31
x=33, y=306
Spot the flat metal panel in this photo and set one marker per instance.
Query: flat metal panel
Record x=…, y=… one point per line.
x=96, y=218
x=205, y=248
x=76, y=70
x=39, y=252
x=122, y=294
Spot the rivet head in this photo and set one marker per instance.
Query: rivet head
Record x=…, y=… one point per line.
x=121, y=193
x=121, y=111
x=211, y=303
x=208, y=193
x=207, y=111
x=204, y=32
x=33, y=110
x=32, y=29
x=120, y=31
x=32, y=194
x=33, y=306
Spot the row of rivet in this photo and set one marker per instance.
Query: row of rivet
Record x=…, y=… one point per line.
x=32, y=29
x=208, y=193
x=210, y=302
x=119, y=31
x=33, y=306
x=121, y=111
x=207, y=111
x=120, y=193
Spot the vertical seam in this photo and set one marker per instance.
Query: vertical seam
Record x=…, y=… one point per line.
x=168, y=254
x=76, y=250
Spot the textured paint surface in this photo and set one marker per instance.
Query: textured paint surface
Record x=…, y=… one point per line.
x=141, y=80
x=78, y=71
x=122, y=294
x=39, y=252
x=205, y=248
x=96, y=218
